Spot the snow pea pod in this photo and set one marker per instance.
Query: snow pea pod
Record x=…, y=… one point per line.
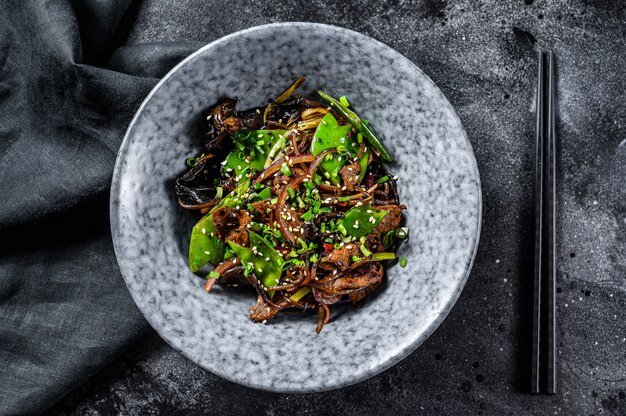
x=356, y=121
x=204, y=246
x=261, y=258
x=360, y=221
x=330, y=135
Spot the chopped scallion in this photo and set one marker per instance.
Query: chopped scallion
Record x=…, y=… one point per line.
x=364, y=250
x=383, y=256
x=402, y=232
x=285, y=169
x=302, y=292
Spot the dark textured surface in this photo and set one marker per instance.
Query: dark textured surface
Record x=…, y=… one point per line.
x=481, y=55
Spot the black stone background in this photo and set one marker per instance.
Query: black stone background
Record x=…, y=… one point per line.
x=482, y=56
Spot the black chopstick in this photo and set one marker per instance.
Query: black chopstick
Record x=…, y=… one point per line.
x=544, y=316
x=550, y=211
x=538, y=196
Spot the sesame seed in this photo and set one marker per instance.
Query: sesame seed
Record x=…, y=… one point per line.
x=267, y=259
x=234, y=261
x=223, y=163
x=343, y=188
x=260, y=136
x=355, y=225
x=335, y=271
x=207, y=253
x=204, y=231
x=349, y=247
x=369, y=211
x=395, y=178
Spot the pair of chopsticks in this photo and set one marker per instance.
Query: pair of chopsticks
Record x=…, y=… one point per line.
x=544, y=317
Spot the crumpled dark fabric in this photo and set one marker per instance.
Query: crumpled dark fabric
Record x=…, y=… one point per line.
x=68, y=89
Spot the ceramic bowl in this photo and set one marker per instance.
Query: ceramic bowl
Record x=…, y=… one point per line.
x=438, y=182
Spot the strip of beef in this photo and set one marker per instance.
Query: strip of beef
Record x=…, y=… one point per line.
x=391, y=221
x=263, y=311
x=294, y=223
x=231, y=271
x=231, y=224
x=261, y=211
x=339, y=258
x=279, y=183
x=357, y=281
x=325, y=297
x=350, y=175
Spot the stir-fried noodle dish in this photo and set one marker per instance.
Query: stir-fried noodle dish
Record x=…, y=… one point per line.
x=294, y=202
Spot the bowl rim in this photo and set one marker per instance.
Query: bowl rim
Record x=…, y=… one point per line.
x=114, y=202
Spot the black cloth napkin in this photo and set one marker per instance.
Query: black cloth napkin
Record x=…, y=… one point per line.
x=68, y=89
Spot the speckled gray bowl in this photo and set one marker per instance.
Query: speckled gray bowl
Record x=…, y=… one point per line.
x=438, y=182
